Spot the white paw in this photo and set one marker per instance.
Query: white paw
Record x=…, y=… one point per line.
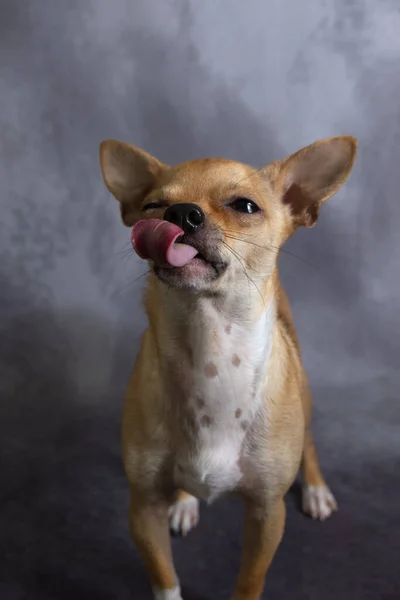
x=171, y=594
x=184, y=515
x=318, y=501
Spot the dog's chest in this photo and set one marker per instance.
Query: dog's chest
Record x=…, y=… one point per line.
x=222, y=398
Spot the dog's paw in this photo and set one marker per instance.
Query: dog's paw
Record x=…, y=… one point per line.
x=318, y=501
x=171, y=594
x=184, y=515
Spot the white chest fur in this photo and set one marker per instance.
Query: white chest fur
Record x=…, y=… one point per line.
x=222, y=398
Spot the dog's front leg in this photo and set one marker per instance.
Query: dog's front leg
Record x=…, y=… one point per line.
x=263, y=531
x=150, y=531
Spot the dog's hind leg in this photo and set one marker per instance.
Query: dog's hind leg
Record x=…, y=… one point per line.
x=317, y=499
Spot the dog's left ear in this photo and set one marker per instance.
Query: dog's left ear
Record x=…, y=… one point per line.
x=312, y=175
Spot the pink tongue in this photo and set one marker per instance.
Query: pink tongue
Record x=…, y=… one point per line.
x=155, y=239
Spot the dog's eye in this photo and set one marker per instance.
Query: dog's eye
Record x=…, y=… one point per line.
x=244, y=205
x=154, y=205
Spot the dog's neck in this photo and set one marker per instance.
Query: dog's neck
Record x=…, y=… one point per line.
x=223, y=336
x=242, y=305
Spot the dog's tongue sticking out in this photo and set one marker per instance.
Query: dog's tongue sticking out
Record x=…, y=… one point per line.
x=155, y=239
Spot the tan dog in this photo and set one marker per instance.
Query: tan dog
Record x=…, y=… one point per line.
x=218, y=401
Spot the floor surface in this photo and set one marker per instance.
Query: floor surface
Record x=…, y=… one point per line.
x=63, y=518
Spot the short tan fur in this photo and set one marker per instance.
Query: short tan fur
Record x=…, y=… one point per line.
x=218, y=401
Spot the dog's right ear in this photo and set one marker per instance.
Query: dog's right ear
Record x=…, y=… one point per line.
x=130, y=174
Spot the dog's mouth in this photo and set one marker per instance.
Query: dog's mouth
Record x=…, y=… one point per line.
x=207, y=254
x=176, y=255
x=203, y=254
x=155, y=240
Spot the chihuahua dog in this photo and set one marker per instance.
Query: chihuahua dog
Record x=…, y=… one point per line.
x=218, y=401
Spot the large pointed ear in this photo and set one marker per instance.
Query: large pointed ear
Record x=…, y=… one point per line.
x=130, y=174
x=312, y=175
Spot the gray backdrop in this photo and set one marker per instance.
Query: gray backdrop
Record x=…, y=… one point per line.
x=250, y=80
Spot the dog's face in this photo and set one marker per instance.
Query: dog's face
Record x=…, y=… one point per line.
x=236, y=217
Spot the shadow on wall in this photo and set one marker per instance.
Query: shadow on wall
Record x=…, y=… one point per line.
x=63, y=493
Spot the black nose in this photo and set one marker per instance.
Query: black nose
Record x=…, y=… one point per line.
x=189, y=217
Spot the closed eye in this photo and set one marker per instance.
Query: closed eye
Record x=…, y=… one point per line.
x=244, y=205
x=155, y=205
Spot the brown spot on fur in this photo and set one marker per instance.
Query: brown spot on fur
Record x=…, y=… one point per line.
x=244, y=425
x=210, y=370
x=200, y=402
x=181, y=469
x=236, y=360
x=228, y=329
x=238, y=413
x=205, y=421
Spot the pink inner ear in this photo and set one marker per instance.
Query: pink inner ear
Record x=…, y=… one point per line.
x=296, y=199
x=304, y=210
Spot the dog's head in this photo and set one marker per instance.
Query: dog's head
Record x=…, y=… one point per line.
x=209, y=223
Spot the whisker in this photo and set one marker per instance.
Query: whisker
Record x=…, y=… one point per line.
x=133, y=282
x=128, y=254
x=239, y=261
x=239, y=258
x=125, y=247
x=234, y=235
x=272, y=247
x=235, y=185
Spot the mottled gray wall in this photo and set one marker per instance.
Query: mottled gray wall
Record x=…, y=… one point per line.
x=183, y=80
x=254, y=81
x=187, y=79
